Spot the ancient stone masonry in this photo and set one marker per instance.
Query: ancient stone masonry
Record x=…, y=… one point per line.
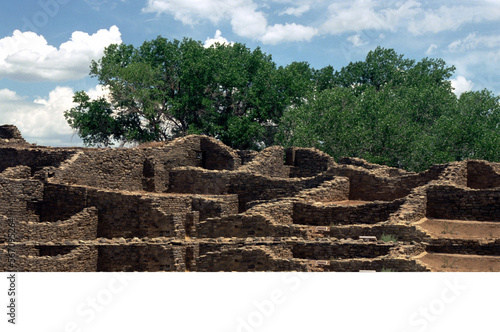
x=194, y=204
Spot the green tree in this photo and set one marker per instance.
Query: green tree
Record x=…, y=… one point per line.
x=472, y=129
x=164, y=89
x=383, y=109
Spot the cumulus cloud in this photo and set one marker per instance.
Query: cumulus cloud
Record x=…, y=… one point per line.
x=288, y=32
x=244, y=15
x=473, y=41
x=26, y=56
x=452, y=17
x=461, y=84
x=347, y=15
x=356, y=41
x=42, y=120
x=417, y=17
x=217, y=39
x=431, y=49
x=296, y=11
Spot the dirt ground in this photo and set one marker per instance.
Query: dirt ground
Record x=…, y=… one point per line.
x=460, y=229
x=460, y=263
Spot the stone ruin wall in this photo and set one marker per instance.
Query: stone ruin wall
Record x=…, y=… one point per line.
x=167, y=208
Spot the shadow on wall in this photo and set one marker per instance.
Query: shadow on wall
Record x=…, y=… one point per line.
x=482, y=175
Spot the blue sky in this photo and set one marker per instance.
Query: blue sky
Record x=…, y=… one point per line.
x=46, y=45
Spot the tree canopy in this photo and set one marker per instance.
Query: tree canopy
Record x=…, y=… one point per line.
x=164, y=89
x=398, y=112
x=386, y=109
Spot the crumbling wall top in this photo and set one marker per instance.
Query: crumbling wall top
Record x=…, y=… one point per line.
x=10, y=132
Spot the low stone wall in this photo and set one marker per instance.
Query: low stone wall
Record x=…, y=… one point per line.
x=381, y=170
x=329, y=191
x=18, y=198
x=367, y=186
x=251, y=258
x=400, y=232
x=279, y=211
x=239, y=225
x=455, y=173
x=448, y=202
x=413, y=209
x=378, y=265
x=464, y=247
x=326, y=215
x=268, y=162
x=35, y=158
x=145, y=168
x=216, y=155
x=334, y=250
x=247, y=156
x=140, y=257
x=80, y=259
x=215, y=206
x=120, y=214
x=249, y=187
x=81, y=226
x=18, y=172
x=307, y=162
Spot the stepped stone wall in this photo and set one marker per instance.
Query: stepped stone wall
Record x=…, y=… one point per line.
x=194, y=204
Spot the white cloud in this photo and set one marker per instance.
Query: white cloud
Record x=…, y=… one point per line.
x=26, y=56
x=288, y=32
x=98, y=92
x=452, y=17
x=431, y=49
x=42, y=120
x=473, y=41
x=217, y=39
x=417, y=17
x=244, y=15
x=296, y=11
x=8, y=95
x=347, y=15
x=461, y=84
x=356, y=41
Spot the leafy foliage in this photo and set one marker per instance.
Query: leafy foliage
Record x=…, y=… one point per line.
x=165, y=89
x=398, y=112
